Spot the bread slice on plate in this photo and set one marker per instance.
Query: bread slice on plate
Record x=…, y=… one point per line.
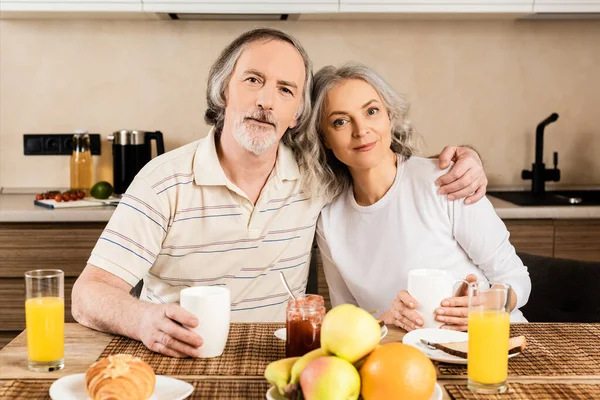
x=460, y=349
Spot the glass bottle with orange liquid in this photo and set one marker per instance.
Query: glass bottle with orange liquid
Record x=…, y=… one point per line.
x=489, y=330
x=82, y=165
x=45, y=319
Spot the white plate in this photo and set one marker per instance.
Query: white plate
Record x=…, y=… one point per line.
x=281, y=333
x=413, y=338
x=72, y=387
x=273, y=394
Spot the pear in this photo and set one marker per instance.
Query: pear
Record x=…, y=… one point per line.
x=301, y=364
x=278, y=373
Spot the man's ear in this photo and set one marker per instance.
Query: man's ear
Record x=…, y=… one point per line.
x=293, y=124
x=296, y=119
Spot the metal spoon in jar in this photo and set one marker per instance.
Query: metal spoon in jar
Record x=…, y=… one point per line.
x=287, y=287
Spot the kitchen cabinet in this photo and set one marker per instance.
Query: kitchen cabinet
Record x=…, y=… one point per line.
x=560, y=238
x=533, y=236
x=566, y=6
x=577, y=239
x=241, y=6
x=27, y=246
x=72, y=5
x=437, y=6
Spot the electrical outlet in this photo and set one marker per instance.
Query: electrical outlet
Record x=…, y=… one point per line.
x=55, y=144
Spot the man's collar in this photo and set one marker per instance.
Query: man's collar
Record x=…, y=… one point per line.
x=286, y=166
x=208, y=170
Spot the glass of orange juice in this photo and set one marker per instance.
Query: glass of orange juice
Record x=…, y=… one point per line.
x=45, y=319
x=489, y=329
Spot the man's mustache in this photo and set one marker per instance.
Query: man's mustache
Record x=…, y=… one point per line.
x=263, y=116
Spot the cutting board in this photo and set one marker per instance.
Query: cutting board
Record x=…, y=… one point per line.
x=85, y=202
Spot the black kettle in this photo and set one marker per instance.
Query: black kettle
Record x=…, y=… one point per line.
x=131, y=151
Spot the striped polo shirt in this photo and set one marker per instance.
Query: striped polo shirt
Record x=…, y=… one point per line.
x=182, y=223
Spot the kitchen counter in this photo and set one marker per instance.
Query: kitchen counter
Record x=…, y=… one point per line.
x=20, y=208
x=507, y=210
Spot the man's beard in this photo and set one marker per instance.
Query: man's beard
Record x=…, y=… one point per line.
x=253, y=137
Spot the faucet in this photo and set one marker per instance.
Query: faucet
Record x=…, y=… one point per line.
x=539, y=174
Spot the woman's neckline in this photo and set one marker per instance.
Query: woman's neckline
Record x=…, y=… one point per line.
x=385, y=198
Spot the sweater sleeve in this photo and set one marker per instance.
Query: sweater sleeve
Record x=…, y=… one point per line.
x=484, y=237
x=338, y=290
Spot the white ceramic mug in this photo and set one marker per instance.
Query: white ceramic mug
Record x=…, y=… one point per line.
x=429, y=287
x=212, y=306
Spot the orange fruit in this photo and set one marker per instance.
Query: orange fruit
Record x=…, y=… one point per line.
x=397, y=371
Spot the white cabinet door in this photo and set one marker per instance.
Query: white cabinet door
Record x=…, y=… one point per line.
x=575, y=6
x=438, y=6
x=72, y=5
x=242, y=6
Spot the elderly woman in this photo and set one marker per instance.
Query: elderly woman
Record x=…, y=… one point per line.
x=386, y=216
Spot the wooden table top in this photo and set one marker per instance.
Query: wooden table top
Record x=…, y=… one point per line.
x=83, y=346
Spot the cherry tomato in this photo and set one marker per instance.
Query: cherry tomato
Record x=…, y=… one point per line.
x=39, y=196
x=58, y=198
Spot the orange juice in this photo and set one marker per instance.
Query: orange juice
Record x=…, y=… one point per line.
x=488, y=346
x=45, y=321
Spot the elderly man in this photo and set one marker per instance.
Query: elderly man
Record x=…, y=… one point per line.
x=229, y=209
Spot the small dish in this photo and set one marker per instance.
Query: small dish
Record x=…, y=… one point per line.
x=281, y=333
x=413, y=338
x=72, y=387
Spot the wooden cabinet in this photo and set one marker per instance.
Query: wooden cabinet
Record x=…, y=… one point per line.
x=562, y=238
x=577, y=239
x=241, y=6
x=27, y=246
x=437, y=6
x=566, y=6
x=532, y=236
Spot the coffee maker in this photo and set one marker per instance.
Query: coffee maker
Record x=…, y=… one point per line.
x=131, y=151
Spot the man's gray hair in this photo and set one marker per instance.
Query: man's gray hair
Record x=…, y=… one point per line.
x=323, y=173
x=221, y=71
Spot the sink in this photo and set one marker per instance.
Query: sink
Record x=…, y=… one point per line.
x=553, y=198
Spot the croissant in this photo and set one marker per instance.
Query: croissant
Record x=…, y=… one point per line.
x=120, y=377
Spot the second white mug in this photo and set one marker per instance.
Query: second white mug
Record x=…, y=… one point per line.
x=429, y=287
x=212, y=306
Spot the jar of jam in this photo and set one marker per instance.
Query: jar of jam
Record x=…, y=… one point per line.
x=304, y=317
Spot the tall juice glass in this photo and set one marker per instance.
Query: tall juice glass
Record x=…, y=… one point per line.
x=489, y=329
x=45, y=319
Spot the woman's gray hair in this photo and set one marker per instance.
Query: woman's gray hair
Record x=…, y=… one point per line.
x=221, y=70
x=323, y=173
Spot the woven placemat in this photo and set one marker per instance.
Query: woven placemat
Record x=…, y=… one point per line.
x=556, y=349
x=528, y=391
x=229, y=389
x=25, y=389
x=250, y=348
x=203, y=389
